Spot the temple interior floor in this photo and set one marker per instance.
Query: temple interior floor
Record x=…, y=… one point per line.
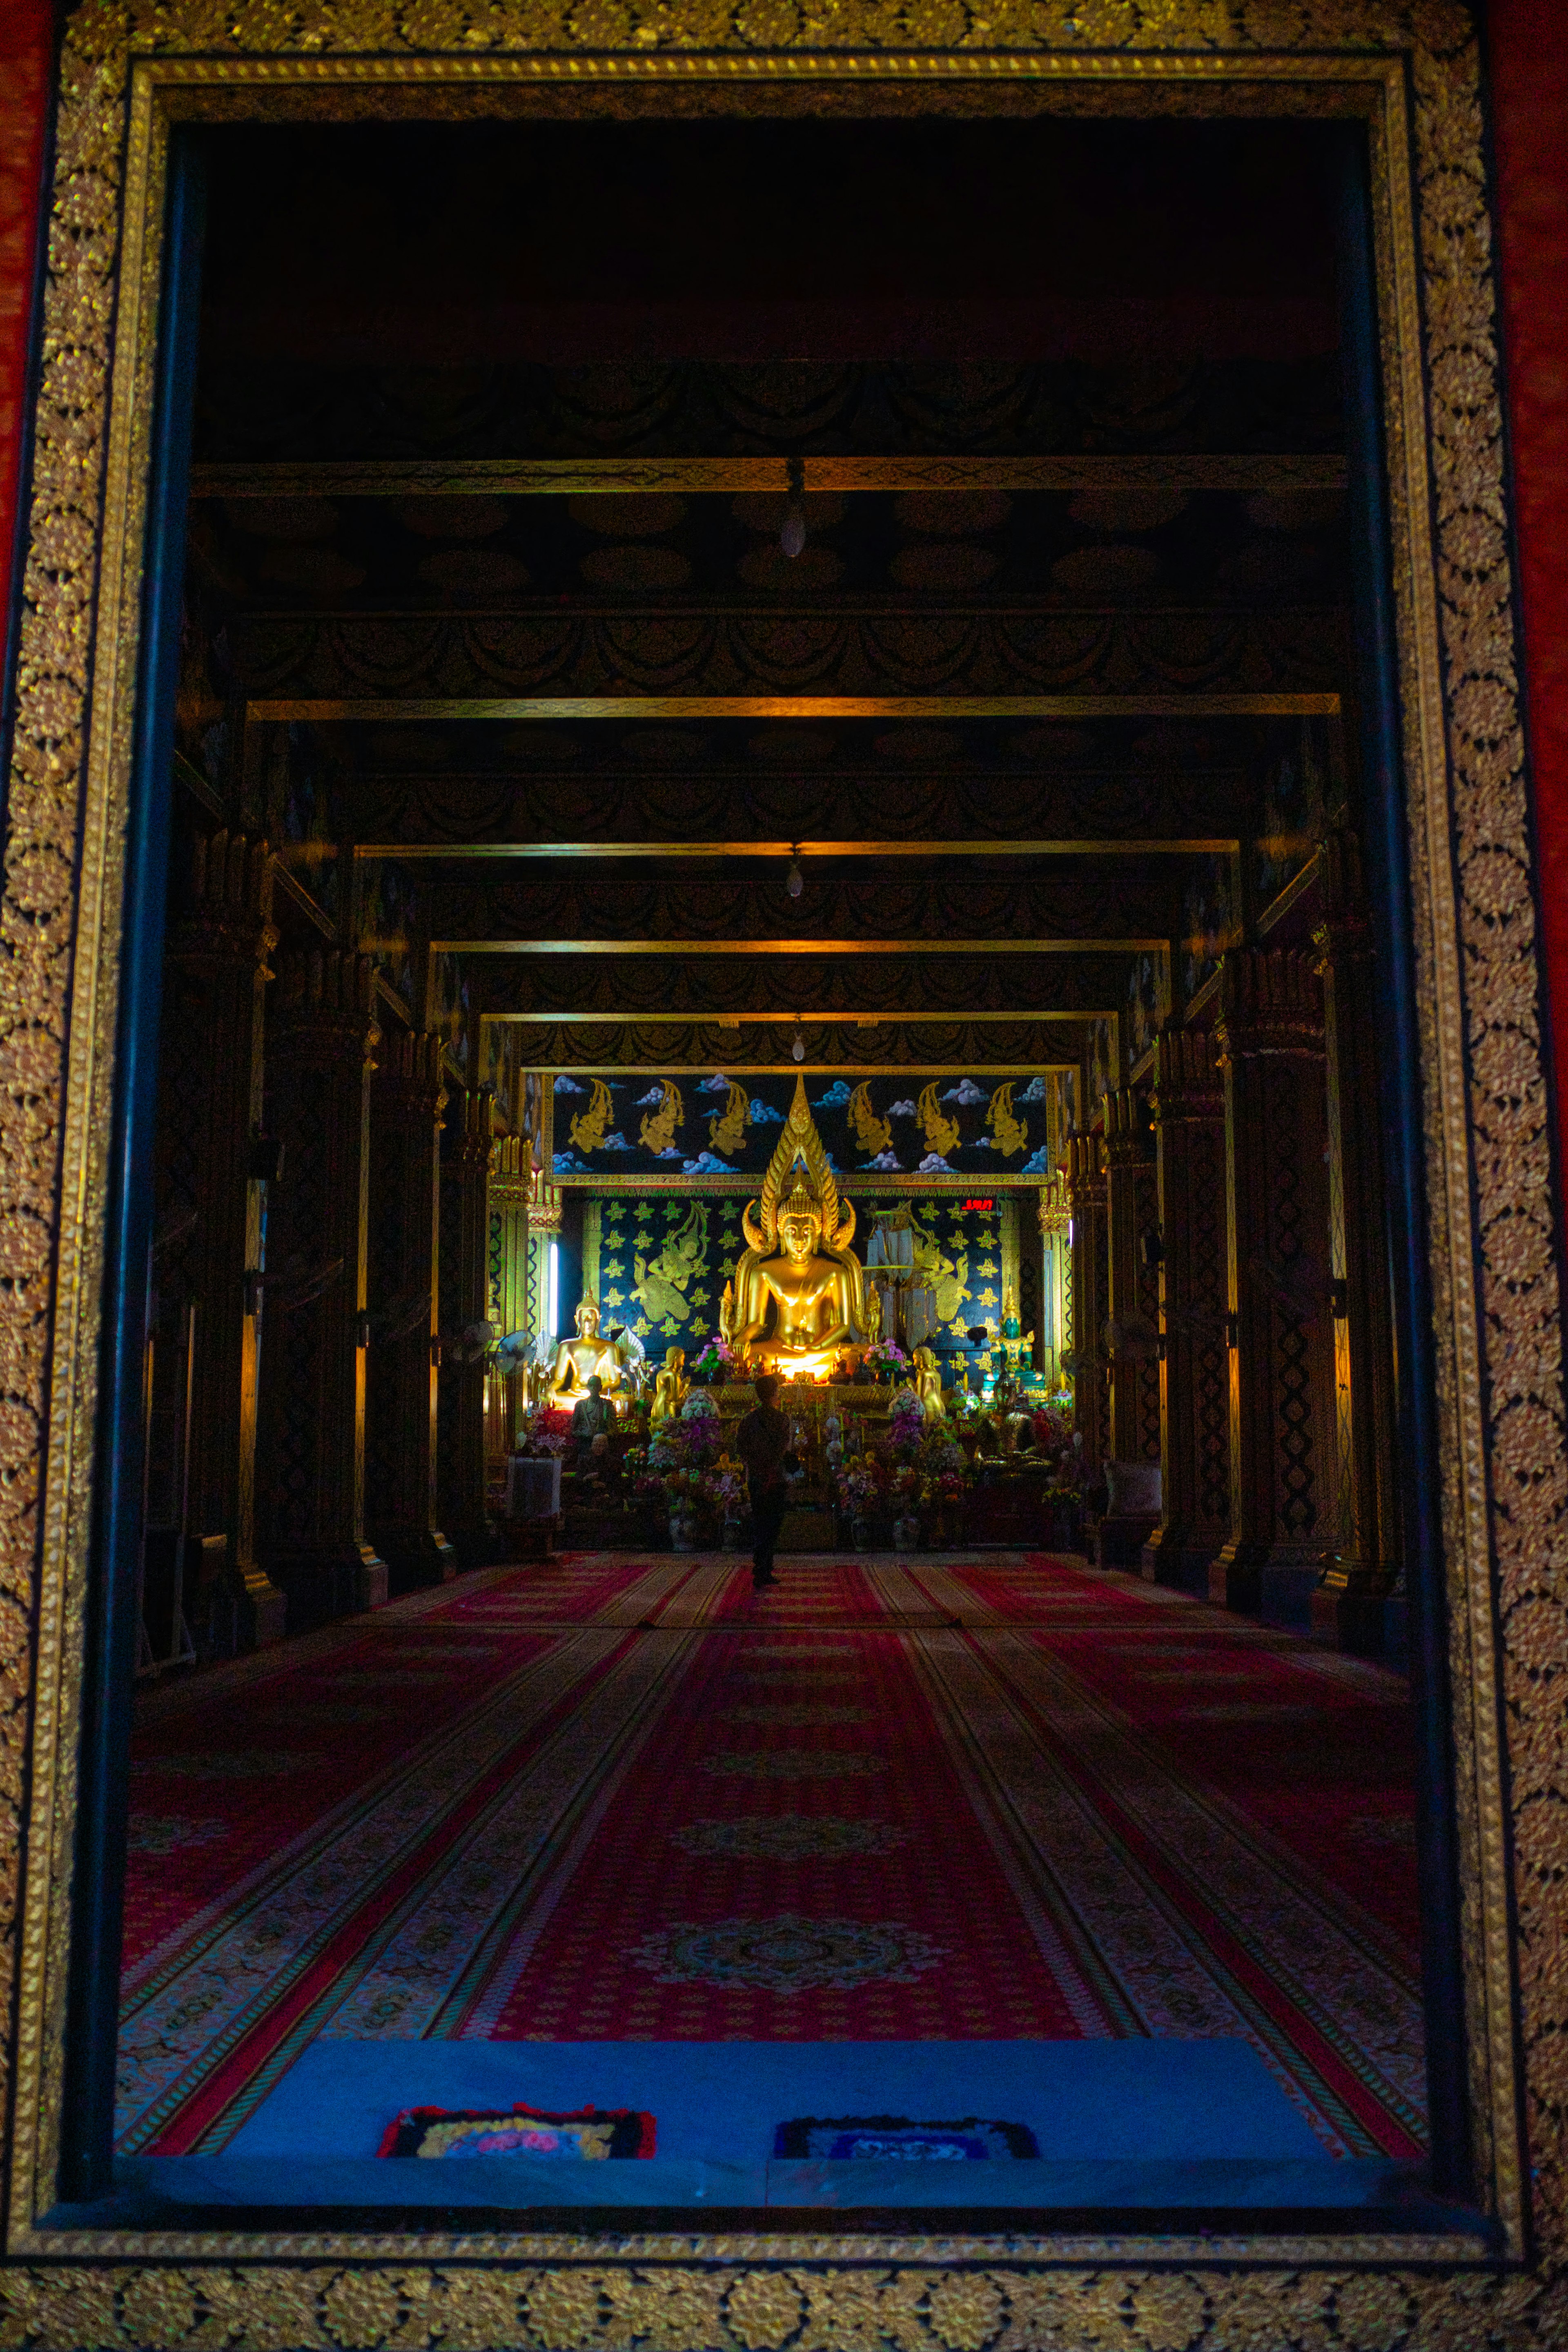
x=928, y=1838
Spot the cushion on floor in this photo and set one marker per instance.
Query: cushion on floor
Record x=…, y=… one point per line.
x=581, y=2132
x=880, y=2137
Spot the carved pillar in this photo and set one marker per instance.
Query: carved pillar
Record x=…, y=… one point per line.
x=511, y=1182
x=464, y=1300
x=1086, y=1191
x=1132, y=1210
x=1282, y=1472
x=1195, y=1370
x=406, y=1101
x=210, y=1115
x=1364, y=1559
x=1056, y=1287
x=310, y=1508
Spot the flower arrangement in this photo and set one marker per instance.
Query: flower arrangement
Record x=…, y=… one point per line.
x=1052, y=1428
x=885, y=1361
x=717, y=1362
x=905, y=1420
x=685, y=1444
x=726, y=1491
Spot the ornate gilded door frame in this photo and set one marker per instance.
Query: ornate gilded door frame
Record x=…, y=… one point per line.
x=1410, y=71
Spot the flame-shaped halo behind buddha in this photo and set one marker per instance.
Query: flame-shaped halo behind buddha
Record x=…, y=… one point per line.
x=798, y=1144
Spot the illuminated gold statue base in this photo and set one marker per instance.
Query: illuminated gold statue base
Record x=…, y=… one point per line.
x=804, y=1364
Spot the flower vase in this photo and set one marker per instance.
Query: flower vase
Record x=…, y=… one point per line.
x=731, y=1535
x=683, y=1534
x=906, y=1535
x=862, y=1534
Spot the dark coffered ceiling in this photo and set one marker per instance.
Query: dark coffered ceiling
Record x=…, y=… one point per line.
x=485, y=552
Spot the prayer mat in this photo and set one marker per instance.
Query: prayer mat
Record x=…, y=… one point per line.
x=880, y=2137
x=590, y=2133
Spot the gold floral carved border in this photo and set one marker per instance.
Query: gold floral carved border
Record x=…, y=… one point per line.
x=1411, y=70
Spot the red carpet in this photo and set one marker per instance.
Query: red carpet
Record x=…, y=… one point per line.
x=1003, y=1797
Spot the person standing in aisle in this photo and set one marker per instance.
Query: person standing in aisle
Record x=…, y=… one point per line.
x=763, y=1442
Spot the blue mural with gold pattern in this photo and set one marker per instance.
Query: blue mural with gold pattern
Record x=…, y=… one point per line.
x=661, y=1264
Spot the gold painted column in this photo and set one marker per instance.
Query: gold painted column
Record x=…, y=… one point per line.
x=1282, y=1453
x=1086, y=1191
x=407, y=1098
x=1363, y=1562
x=463, y=1290
x=210, y=1115
x=1133, y=1209
x=1194, y=1369
x=510, y=1308
x=1056, y=1287
x=320, y=1041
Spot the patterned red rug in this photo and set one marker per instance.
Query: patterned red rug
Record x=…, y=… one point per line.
x=937, y=1798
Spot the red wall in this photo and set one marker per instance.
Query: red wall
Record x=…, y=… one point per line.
x=27, y=56
x=1528, y=44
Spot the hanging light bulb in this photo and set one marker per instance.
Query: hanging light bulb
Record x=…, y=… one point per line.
x=792, y=538
x=795, y=880
x=797, y=1051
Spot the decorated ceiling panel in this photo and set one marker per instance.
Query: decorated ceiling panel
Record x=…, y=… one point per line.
x=266, y=406
x=1294, y=644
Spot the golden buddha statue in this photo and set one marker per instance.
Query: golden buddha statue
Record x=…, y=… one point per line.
x=577, y=1360
x=928, y=1384
x=670, y=1388
x=797, y=1265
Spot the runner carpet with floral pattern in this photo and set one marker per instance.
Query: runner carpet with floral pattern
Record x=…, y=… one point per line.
x=934, y=1798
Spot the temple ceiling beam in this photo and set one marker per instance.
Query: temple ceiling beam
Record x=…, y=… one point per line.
x=620, y=477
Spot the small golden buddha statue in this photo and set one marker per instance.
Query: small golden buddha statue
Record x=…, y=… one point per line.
x=928, y=1384
x=670, y=1388
x=577, y=1360
x=798, y=1270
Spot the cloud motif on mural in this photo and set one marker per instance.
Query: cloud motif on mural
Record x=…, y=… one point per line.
x=1034, y=1092
x=1038, y=1164
x=966, y=1091
x=764, y=1115
x=837, y=1093
x=901, y=1110
x=717, y=1085
x=565, y=1086
x=933, y=1164
x=705, y=1164
x=650, y=1101
x=568, y=1164
x=615, y=1143
x=670, y=1151
x=888, y=1161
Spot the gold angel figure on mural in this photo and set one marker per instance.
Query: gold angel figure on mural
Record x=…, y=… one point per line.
x=662, y=1282
x=658, y=1127
x=938, y=1274
x=940, y=1132
x=1011, y=1133
x=588, y=1127
x=871, y=1134
x=727, y=1128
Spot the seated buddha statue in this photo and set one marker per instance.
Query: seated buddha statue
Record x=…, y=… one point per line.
x=799, y=1292
x=928, y=1384
x=578, y=1361
x=670, y=1388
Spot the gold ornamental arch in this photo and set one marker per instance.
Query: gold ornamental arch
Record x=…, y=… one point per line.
x=1407, y=69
